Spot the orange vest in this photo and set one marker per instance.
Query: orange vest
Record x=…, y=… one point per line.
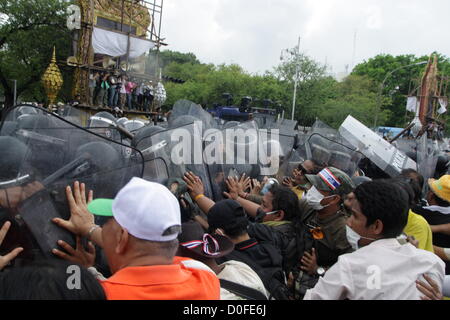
x=162, y=282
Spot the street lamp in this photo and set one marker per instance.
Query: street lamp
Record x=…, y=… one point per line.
x=297, y=53
x=380, y=92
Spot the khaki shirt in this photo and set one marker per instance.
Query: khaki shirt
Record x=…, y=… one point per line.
x=335, y=241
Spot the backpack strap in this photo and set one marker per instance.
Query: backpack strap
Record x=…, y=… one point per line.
x=242, y=291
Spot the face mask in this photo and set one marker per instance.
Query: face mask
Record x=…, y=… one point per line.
x=353, y=238
x=267, y=186
x=314, y=197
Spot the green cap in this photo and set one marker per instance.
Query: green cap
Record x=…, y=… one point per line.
x=332, y=180
x=101, y=207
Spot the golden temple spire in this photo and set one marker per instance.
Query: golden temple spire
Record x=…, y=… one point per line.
x=52, y=80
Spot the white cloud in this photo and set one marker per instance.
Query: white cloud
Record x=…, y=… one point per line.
x=252, y=33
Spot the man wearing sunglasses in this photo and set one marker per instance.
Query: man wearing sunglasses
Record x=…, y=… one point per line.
x=298, y=182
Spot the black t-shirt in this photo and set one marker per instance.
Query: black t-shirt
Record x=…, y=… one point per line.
x=436, y=218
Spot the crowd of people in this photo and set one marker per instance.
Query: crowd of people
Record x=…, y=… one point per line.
x=116, y=90
x=317, y=235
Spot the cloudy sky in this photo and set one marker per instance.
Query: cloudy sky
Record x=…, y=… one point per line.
x=252, y=33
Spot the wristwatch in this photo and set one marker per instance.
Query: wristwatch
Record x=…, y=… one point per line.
x=320, y=271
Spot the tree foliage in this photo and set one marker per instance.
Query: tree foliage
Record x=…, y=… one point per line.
x=355, y=97
x=28, y=32
x=400, y=78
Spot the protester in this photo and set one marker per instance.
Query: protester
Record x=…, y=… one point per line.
x=437, y=214
x=298, y=183
x=228, y=218
x=49, y=280
x=92, y=87
x=381, y=268
x=276, y=216
x=417, y=227
x=7, y=258
x=140, y=241
x=326, y=197
x=206, y=248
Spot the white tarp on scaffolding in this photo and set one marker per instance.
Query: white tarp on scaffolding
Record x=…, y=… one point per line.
x=115, y=44
x=411, y=104
x=443, y=102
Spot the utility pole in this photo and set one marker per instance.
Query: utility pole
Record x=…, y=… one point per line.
x=15, y=92
x=297, y=66
x=380, y=91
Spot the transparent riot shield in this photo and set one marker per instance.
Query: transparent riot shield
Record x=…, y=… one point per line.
x=40, y=158
x=323, y=129
x=427, y=157
x=73, y=114
x=185, y=111
x=105, y=124
x=170, y=153
x=383, y=154
x=406, y=145
x=133, y=125
x=330, y=153
x=264, y=120
x=237, y=150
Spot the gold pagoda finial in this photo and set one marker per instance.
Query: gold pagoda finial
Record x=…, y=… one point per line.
x=52, y=80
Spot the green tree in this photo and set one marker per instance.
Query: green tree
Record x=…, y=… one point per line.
x=28, y=32
x=354, y=96
x=314, y=86
x=399, y=84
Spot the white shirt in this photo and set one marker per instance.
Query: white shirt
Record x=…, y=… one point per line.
x=383, y=270
x=443, y=210
x=234, y=271
x=240, y=273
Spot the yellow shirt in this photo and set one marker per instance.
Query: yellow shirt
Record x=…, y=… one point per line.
x=298, y=191
x=419, y=228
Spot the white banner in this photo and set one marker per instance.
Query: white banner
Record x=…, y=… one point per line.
x=443, y=102
x=411, y=104
x=115, y=44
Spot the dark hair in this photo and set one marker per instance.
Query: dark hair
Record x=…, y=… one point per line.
x=440, y=202
x=285, y=199
x=229, y=216
x=413, y=174
x=414, y=185
x=237, y=230
x=49, y=280
x=407, y=185
x=384, y=200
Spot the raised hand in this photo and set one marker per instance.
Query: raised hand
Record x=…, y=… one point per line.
x=85, y=258
x=81, y=220
x=233, y=188
x=309, y=262
x=288, y=182
x=256, y=187
x=194, y=185
x=4, y=260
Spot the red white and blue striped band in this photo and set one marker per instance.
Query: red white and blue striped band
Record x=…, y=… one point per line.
x=329, y=178
x=206, y=245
